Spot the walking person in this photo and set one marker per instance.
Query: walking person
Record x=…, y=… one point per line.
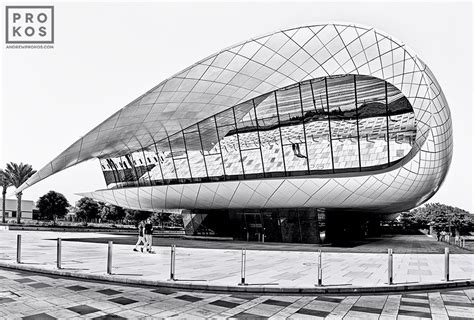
x=141, y=237
x=149, y=236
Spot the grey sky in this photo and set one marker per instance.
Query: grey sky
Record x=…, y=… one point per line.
x=107, y=54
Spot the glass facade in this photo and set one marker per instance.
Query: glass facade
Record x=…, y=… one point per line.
x=347, y=123
x=304, y=225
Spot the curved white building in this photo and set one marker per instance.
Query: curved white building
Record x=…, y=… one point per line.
x=335, y=118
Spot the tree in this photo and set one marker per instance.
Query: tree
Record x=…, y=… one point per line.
x=110, y=212
x=18, y=174
x=161, y=217
x=52, y=205
x=87, y=209
x=5, y=180
x=442, y=217
x=135, y=216
x=177, y=220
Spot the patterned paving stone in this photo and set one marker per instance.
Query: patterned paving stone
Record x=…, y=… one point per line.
x=39, y=316
x=366, y=309
x=110, y=316
x=83, y=309
x=188, y=298
x=414, y=314
x=109, y=292
x=6, y=300
x=225, y=304
x=277, y=303
x=24, y=280
x=164, y=291
x=65, y=298
x=330, y=299
x=39, y=285
x=244, y=315
x=77, y=288
x=310, y=312
x=123, y=301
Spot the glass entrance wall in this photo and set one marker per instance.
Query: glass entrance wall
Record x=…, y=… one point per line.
x=346, y=123
x=299, y=225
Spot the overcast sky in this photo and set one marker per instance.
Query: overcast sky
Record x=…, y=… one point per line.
x=107, y=54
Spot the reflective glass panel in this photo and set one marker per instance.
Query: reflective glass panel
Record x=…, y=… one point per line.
x=229, y=139
x=167, y=164
x=180, y=156
x=343, y=117
x=401, y=124
x=269, y=131
x=195, y=153
x=292, y=129
x=211, y=147
x=317, y=125
x=372, y=122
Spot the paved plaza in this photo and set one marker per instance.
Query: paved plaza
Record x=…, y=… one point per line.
x=221, y=267
x=25, y=295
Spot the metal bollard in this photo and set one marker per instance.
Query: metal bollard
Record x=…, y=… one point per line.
x=109, y=257
x=390, y=266
x=18, y=248
x=320, y=268
x=263, y=237
x=242, y=267
x=58, y=254
x=463, y=243
x=446, y=264
x=173, y=262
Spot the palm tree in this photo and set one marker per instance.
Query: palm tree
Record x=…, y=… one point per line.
x=18, y=174
x=5, y=181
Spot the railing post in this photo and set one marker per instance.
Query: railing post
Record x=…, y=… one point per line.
x=109, y=258
x=242, y=267
x=446, y=264
x=390, y=266
x=58, y=254
x=173, y=262
x=18, y=248
x=320, y=268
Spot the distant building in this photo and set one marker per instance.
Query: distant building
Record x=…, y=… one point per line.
x=27, y=207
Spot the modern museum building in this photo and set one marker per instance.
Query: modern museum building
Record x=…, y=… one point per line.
x=317, y=128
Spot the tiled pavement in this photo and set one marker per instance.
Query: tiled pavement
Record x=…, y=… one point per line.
x=26, y=295
x=222, y=266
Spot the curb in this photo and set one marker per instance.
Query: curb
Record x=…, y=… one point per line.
x=402, y=287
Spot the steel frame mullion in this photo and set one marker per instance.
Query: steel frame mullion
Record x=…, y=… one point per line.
x=111, y=164
x=329, y=123
x=357, y=121
x=159, y=163
x=187, y=156
x=238, y=142
x=172, y=158
x=146, y=167
x=258, y=134
x=386, y=117
x=279, y=129
x=312, y=94
x=202, y=150
x=304, y=128
x=133, y=166
x=118, y=170
x=220, y=147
